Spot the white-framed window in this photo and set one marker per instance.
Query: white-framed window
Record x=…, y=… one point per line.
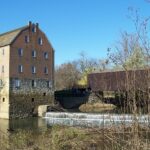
x=33, y=83
x=20, y=68
x=46, y=55
x=20, y=51
x=3, y=69
x=46, y=70
x=17, y=83
x=34, y=53
x=40, y=41
x=33, y=69
x=49, y=84
x=27, y=39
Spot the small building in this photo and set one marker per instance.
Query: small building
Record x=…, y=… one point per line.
x=26, y=71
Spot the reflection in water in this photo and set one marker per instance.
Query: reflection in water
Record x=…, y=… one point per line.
x=10, y=128
x=22, y=124
x=71, y=119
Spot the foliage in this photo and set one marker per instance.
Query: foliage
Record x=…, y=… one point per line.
x=128, y=53
x=75, y=138
x=66, y=76
x=74, y=73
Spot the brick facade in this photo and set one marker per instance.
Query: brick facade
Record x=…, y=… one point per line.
x=29, y=75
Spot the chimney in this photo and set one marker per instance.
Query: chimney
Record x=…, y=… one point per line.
x=37, y=25
x=30, y=24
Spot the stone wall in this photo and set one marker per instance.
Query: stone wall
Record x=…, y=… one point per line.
x=25, y=100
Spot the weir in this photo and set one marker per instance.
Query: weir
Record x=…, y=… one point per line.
x=94, y=120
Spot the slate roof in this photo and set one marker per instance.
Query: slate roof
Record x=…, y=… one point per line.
x=8, y=37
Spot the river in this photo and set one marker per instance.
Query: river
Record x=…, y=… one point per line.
x=72, y=119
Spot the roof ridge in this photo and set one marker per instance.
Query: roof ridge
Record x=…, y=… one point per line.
x=21, y=28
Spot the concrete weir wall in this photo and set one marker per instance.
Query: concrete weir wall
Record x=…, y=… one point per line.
x=26, y=100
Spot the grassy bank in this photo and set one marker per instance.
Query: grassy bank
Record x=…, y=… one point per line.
x=71, y=138
x=96, y=107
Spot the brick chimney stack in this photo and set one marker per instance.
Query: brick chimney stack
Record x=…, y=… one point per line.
x=30, y=23
x=37, y=25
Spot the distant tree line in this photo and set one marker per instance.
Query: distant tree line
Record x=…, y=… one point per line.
x=72, y=74
x=132, y=51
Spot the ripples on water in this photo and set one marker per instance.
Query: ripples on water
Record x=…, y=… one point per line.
x=72, y=119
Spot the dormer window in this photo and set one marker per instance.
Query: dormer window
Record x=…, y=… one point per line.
x=34, y=53
x=27, y=40
x=40, y=41
x=34, y=29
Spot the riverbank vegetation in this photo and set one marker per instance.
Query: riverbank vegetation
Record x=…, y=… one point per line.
x=75, y=138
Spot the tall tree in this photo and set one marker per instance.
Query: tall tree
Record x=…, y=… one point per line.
x=66, y=76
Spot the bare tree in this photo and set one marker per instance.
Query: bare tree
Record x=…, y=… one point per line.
x=66, y=76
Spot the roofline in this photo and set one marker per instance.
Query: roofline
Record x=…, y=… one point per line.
x=113, y=71
x=4, y=45
x=47, y=40
x=23, y=28
x=14, y=30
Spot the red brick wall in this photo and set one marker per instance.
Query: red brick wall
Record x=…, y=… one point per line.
x=27, y=60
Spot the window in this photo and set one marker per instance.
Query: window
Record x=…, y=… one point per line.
x=1, y=83
x=32, y=100
x=33, y=83
x=3, y=99
x=17, y=83
x=34, y=53
x=3, y=69
x=20, y=68
x=27, y=40
x=3, y=51
x=46, y=70
x=33, y=69
x=20, y=52
x=44, y=94
x=46, y=55
x=49, y=84
x=40, y=41
x=34, y=29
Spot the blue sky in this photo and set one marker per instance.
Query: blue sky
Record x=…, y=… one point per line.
x=73, y=26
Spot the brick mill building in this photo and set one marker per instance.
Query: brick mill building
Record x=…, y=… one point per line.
x=26, y=71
